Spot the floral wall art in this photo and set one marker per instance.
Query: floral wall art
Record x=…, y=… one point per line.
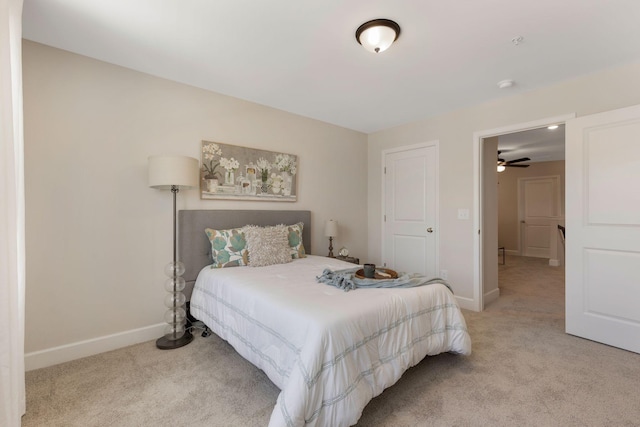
x=241, y=173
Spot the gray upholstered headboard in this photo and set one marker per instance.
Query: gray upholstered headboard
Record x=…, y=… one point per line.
x=194, y=249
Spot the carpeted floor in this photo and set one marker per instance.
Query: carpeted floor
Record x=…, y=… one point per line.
x=524, y=371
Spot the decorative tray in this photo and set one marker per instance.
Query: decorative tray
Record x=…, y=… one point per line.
x=381, y=274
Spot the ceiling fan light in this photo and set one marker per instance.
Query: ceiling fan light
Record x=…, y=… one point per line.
x=505, y=84
x=501, y=168
x=377, y=35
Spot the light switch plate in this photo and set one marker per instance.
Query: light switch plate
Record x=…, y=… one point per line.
x=463, y=213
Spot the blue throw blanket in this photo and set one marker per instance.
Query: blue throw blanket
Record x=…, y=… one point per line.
x=347, y=280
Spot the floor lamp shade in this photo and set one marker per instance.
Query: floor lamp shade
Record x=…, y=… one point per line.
x=173, y=173
x=167, y=171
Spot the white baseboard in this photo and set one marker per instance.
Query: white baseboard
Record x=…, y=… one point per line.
x=78, y=350
x=491, y=296
x=466, y=303
x=470, y=303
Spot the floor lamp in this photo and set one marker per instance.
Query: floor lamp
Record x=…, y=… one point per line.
x=174, y=173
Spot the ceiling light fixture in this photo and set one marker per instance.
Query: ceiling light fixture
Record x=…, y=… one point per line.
x=501, y=168
x=377, y=35
x=552, y=127
x=504, y=84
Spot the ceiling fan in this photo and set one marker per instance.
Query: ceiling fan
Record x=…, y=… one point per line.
x=511, y=163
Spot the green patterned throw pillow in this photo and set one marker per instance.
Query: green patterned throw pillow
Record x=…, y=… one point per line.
x=228, y=247
x=295, y=240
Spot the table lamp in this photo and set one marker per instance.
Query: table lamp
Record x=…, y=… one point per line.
x=331, y=231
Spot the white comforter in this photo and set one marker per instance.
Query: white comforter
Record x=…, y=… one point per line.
x=329, y=351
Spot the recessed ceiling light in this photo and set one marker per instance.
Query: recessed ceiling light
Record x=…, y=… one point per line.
x=552, y=127
x=504, y=84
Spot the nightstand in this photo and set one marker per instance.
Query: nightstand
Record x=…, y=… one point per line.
x=348, y=259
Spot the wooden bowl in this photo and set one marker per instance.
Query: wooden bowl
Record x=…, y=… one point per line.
x=381, y=274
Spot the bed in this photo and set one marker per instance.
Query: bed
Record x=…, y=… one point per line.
x=328, y=351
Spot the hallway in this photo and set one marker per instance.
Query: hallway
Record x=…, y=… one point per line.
x=530, y=285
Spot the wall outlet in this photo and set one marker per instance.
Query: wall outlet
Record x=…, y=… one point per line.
x=444, y=274
x=463, y=213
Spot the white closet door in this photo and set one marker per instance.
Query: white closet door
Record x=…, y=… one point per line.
x=410, y=209
x=539, y=211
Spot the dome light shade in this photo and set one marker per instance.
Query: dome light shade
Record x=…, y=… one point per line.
x=377, y=35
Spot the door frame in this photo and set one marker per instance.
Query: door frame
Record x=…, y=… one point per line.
x=478, y=193
x=433, y=143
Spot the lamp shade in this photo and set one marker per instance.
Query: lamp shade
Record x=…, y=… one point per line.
x=331, y=228
x=166, y=171
x=377, y=35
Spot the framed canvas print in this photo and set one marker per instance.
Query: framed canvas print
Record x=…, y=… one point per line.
x=242, y=173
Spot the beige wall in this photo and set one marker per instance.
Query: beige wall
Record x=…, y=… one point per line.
x=508, y=222
x=607, y=90
x=97, y=237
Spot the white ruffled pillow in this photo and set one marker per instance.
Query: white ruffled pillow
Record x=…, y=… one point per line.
x=267, y=245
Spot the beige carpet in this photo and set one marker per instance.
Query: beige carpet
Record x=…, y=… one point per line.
x=524, y=371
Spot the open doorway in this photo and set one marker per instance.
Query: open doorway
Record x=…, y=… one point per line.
x=516, y=140
x=531, y=192
x=530, y=198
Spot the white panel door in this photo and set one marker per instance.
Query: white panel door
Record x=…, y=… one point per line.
x=603, y=228
x=410, y=228
x=539, y=207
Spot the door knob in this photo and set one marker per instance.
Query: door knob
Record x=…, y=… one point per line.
x=429, y=230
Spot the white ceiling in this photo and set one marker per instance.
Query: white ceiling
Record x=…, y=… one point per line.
x=540, y=145
x=302, y=56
